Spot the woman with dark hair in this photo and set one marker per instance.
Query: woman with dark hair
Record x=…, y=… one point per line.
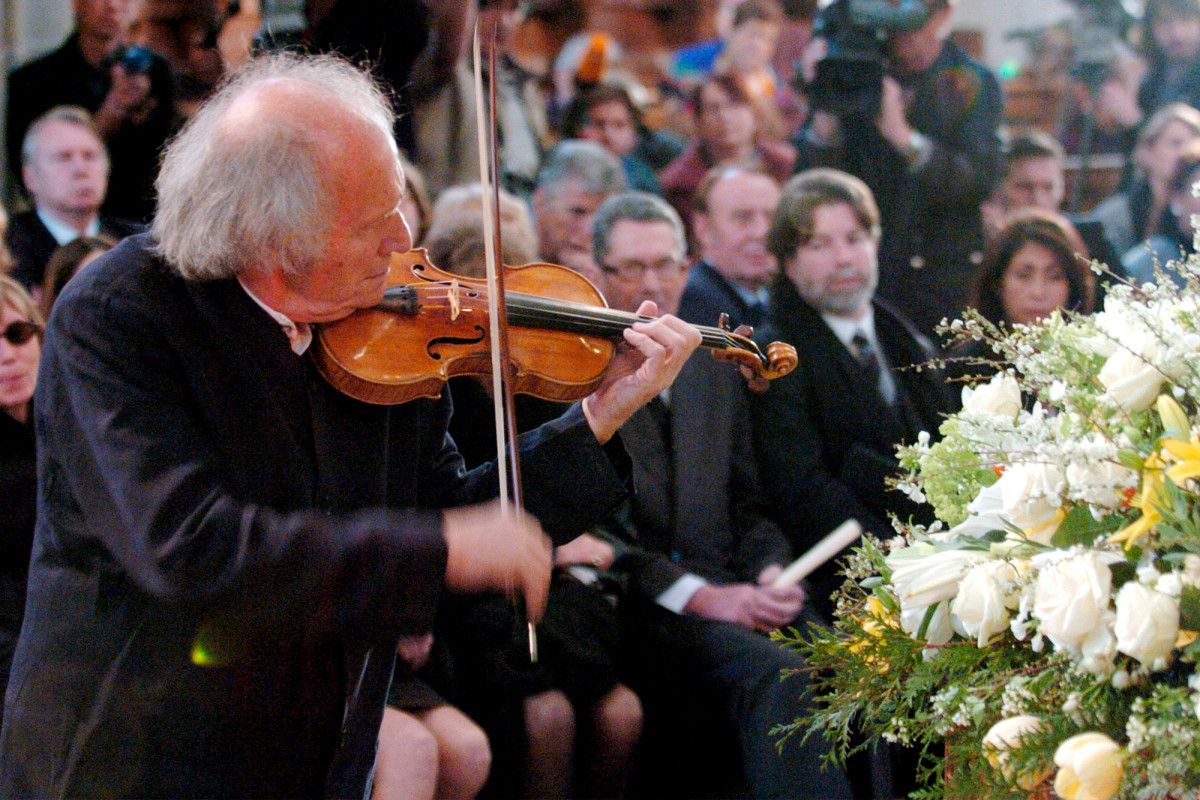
x=727, y=129
x=1036, y=264
x=21, y=327
x=606, y=114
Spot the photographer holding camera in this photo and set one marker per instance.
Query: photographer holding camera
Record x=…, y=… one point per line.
x=899, y=105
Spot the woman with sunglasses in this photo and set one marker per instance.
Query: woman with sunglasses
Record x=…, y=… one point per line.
x=20, y=348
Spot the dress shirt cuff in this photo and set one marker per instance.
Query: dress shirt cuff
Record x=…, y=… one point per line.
x=677, y=596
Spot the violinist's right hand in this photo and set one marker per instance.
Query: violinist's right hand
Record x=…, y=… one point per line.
x=488, y=550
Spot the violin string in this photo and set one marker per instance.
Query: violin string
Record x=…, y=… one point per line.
x=594, y=319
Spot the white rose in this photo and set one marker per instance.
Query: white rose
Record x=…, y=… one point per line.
x=1131, y=380
x=1147, y=623
x=1090, y=767
x=1006, y=735
x=1070, y=598
x=1031, y=495
x=985, y=597
x=1098, y=652
x=999, y=397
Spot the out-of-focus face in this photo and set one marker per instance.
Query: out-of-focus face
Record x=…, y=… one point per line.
x=836, y=270
x=915, y=51
x=101, y=18
x=1034, y=183
x=1034, y=284
x=18, y=365
x=611, y=124
x=643, y=263
x=725, y=123
x=367, y=226
x=1161, y=155
x=733, y=231
x=564, y=222
x=1177, y=35
x=68, y=173
x=751, y=45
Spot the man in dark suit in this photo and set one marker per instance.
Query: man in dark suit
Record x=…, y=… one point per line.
x=826, y=434
x=65, y=167
x=733, y=206
x=704, y=552
x=228, y=549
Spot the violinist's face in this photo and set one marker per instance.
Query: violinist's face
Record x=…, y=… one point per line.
x=367, y=227
x=644, y=262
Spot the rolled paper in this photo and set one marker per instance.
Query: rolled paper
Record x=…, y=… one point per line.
x=837, y=540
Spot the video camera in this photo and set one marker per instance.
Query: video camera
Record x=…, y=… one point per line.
x=849, y=79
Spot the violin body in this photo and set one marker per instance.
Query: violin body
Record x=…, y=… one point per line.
x=434, y=325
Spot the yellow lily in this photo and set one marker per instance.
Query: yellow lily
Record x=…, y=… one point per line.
x=1188, y=459
x=1149, y=503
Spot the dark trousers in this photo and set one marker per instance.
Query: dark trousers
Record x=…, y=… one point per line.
x=724, y=670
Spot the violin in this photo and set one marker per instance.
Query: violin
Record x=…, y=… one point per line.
x=432, y=325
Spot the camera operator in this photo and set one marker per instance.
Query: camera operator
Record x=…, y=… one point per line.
x=921, y=132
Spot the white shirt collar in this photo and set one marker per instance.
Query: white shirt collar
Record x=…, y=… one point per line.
x=299, y=334
x=844, y=328
x=64, y=233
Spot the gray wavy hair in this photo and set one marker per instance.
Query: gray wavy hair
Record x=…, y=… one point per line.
x=256, y=192
x=636, y=207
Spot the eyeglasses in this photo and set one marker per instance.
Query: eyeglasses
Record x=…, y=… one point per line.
x=20, y=332
x=633, y=271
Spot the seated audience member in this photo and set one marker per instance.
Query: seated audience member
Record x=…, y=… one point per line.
x=826, y=433
x=1139, y=212
x=727, y=129
x=564, y=726
x=20, y=349
x=65, y=167
x=1035, y=264
x=928, y=150
x=705, y=552
x=1177, y=239
x=67, y=260
x=734, y=207
x=575, y=178
x=129, y=91
x=749, y=54
x=1033, y=177
x=1172, y=38
x=605, y=114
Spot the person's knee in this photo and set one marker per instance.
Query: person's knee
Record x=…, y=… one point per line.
x=549, y=717
x=401, y=737
x=619, y=714
x=467, y=754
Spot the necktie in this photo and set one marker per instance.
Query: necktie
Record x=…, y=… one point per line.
x=867, y=357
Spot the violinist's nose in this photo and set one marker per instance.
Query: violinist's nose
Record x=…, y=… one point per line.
x=398, y=240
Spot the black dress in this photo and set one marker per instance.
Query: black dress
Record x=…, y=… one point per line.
x=18, y=502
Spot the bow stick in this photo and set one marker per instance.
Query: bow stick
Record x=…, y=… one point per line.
x=507, y=460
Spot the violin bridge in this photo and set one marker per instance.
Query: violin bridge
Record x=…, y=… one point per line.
x=455, y=303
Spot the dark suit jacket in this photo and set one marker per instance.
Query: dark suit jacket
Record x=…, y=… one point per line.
x=32, y=244
x=227, y=548
x=698, y=505
x=708, y=295
x=826, y=437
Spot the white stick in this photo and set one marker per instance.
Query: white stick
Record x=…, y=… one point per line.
x=818, y=554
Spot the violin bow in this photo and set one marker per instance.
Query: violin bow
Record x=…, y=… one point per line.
x=507, y=459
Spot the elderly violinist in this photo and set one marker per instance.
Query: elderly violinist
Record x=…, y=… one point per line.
x=227, y=548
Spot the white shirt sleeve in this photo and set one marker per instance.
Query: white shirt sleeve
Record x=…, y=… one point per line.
x=677, y=595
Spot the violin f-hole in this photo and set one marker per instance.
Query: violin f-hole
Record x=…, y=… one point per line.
x=431, y=347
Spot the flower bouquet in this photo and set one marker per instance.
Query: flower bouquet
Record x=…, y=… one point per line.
x=1040, y=639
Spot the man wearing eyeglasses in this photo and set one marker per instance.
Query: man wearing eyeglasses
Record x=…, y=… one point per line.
x=704, y=552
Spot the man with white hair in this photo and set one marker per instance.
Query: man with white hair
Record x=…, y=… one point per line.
x=65, y=168
x=228, y=548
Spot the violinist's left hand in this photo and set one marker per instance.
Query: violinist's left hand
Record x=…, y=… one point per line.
x=649, y=361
